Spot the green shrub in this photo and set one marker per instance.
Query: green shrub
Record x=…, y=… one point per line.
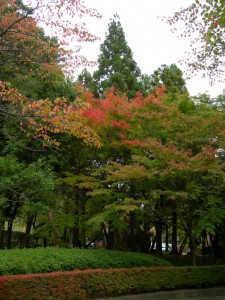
x=40, y=260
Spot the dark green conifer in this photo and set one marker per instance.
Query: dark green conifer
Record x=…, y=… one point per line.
x=116, y=64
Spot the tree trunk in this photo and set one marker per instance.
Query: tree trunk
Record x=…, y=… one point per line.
x=193, y=251
x=158, y=228
x=9, y=235
x=223, y=235
x=10, y=225
x=28, y=230
x=131, y=239
x=83, y=237
x=204, y=241
x=65, y=238
x=152, y=246
x=174, y=235
x=146, y=243
x=57, y=232
x=76, y=240
x=82, y=204
x=109, y=236
x=184, y=242
x=192, y=244
x=167, y=238
x=2, y=227
x=104, y=230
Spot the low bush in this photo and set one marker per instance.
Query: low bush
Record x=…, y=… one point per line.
x=89, y=284
x=44, y=260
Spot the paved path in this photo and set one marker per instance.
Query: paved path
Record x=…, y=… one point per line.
x=197, y=294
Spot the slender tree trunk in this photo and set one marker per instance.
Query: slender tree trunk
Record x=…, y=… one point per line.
x=223, y=235
x=132, y=222
x=45, y=242
x=82, y=220
x=65, y=238
x=28, y=230
x=83, y=237
x=203, y=244
x=146, y=240
x=153, y=245
x=193, y=251
x=174, y=234
x=104, y=231
x=109, y=236
x=9, y=235
x=184, y=242
x=76, y=240
x=158, y=228
x=192, y=244
x=57, y=232
x=2, y=227
x=10, y=225
x=167, y=237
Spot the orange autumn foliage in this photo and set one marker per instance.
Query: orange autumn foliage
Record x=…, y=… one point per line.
x=43, y=118
x=119, y=114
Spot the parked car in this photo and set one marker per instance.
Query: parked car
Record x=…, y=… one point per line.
x=164, y=247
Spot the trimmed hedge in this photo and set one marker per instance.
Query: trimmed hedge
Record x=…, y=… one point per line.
x=89, y=284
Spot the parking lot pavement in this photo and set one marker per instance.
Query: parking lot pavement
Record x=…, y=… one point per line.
x=196, y=294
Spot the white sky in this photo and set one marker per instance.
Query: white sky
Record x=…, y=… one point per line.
x=150, y=39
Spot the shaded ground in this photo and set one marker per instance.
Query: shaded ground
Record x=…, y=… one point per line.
x=186, y=260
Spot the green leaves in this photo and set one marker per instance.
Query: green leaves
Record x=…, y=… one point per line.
x=24, y=189
x=87, y=183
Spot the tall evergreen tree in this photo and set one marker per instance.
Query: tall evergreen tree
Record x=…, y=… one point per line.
x=116, y=64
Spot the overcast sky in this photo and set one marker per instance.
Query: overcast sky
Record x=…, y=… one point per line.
x=150, y=39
